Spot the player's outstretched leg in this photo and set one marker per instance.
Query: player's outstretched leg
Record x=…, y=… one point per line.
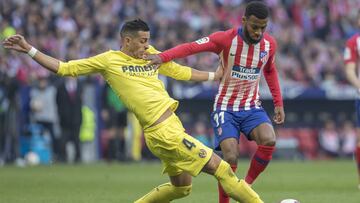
x=237, y=189
x=165, y=193
x=179, y=187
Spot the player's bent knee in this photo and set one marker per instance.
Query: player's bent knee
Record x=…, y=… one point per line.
x=271, y=142
x=231, y=158
x=182, y=191
x=267, y=141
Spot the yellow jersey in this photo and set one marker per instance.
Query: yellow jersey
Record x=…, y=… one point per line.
x=136, y=83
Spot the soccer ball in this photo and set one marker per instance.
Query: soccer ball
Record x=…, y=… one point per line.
x=32, y=159
x=289, y=201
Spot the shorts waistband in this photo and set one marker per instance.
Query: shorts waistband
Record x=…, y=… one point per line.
x=160, y=125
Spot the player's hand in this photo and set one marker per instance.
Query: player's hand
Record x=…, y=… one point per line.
x=153, y=58
x=17, y=43
x=219, y=73
x=279, y=116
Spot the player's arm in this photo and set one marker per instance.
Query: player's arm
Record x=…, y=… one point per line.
x=18, y=43
x=197, y=75
x=212, y=43
x=271, y=77
x=71, y=68
x=350, y=58
x=179, y=72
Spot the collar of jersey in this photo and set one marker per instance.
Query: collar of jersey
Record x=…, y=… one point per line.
x=240, y=32
x=127, y=57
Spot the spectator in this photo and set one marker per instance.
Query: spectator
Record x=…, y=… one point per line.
x=114, y=114
x=44, y=109
x=329, y=139
x=348, y=139
x=69, y=104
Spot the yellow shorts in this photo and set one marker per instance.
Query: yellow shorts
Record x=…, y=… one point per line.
x=177, y=150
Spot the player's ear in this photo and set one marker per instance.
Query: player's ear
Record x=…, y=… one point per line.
x=244, y=19
x=127, y=39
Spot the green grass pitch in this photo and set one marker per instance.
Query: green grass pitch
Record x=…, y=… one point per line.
x=309, y=182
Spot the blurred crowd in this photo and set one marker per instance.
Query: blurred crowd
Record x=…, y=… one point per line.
x=310, y=36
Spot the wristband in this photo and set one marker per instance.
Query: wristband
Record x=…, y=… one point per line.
x=32, y=52
x=211, y=76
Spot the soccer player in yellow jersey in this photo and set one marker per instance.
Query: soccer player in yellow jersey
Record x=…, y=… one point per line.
x=138, y=86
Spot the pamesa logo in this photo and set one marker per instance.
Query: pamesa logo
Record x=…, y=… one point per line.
x=136, y=70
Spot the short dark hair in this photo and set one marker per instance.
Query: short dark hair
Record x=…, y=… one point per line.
x=258, y=9
x=133, y=26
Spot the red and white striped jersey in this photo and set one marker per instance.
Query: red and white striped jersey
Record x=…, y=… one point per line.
x=242, y=63
x=352, y=52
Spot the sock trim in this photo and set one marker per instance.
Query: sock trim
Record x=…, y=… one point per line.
x=261, y=161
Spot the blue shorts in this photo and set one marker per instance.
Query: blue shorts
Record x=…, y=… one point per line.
x=357, y=108
x=229, y=124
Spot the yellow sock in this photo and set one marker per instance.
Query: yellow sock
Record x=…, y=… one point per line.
x=165, y=193
x=237, y=189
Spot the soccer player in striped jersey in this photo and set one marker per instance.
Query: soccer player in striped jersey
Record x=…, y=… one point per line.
x=352, y=72
x=244, y=53
x=137, y=84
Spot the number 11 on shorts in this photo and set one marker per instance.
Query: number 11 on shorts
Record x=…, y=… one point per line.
x=219, y=118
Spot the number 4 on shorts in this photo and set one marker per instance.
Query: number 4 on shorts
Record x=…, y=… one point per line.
x=188, y=144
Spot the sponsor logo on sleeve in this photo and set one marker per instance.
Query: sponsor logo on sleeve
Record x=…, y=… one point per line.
x=203, y=40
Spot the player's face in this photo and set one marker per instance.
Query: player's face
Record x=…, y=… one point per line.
x=254, y=28
x=139, y=43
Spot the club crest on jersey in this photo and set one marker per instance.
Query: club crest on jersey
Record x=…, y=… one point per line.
x=202, y=40
x=264, y=56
